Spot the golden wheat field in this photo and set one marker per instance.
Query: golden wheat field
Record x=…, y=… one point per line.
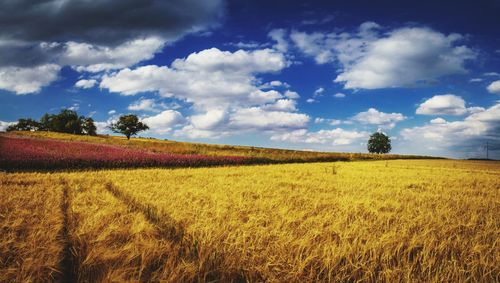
x=367, y=221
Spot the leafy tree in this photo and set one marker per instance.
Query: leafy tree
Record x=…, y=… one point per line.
x=25, y=125
x=128, y=125
x=379, y=143
x=88, y=126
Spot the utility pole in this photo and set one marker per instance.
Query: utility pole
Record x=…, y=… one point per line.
x=487, y=157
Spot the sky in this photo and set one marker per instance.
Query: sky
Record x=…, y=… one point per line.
x=309, y=75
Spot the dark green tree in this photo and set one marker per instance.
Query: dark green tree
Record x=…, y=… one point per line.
x=88, y=126
x=67, y=121
x=25, y=125
x=379, y=143
x=128, y=125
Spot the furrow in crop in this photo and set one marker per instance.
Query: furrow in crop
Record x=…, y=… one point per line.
x=210, y=267
x=68, y=268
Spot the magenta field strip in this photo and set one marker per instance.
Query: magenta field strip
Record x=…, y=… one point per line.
x=27, y=153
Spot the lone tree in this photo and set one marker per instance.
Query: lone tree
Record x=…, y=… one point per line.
x=379, y=143
x=128, y=125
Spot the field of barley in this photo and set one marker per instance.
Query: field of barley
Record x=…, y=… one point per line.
x=365, y=221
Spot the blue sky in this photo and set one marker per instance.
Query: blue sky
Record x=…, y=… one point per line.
x=312, y=75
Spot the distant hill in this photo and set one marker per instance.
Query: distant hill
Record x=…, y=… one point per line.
x=175, y=147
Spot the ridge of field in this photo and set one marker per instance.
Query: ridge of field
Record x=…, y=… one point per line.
x=21, y=153
x=389, y=221
x=175, y=147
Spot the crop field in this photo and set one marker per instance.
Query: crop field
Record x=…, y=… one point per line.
x=186, y=148
x=366, y=221
x=32, y=154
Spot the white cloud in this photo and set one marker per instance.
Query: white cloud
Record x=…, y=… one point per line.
x=74, y=107
x=144, y=105
x=111, y=112
x=461, y=136
x=333, y=122
x=222, y=86
x=339, y=95
x=288, y=105
x=447, y=104
x=475, y=80
x=311, y=100
x=314, y=45
x=278, y=35
x=371, y=59
x=94, y=58
x=217, y=123
x=334, y=137
x=164, y=121
x=438, y=121
x=27, y=80
x=4, y=125
x=208, y=120
x=292, y=94
x=247, y=45
x=494, y=87
x=475, y=109
x=318, y=92
x=406, y=57
x=274, y=84
x=102, y=127
x=258, y=118
x=491, y=74
x=208, y=79
x=374, y=117
x=85, y=84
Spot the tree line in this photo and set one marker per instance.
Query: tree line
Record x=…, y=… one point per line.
x=67, y=121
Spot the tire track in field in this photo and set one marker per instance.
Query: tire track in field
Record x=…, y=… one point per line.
x=173, y=231
x=68, y=268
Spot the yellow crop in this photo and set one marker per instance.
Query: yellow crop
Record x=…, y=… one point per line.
x=418, y=220
x=31, y=222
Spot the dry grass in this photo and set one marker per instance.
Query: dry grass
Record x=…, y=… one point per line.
x=31, y=222
x=391, y=221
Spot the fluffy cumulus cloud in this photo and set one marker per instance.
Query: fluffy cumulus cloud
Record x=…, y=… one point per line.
x=164, y=121
x=438, y=121
x=371, y=58
x=37, y=35
x=258, y=118
x=278, y=35
x=219, y=123
x=374, y=117
x=95, y=58
x=207, y=79
x=24, y=80
x=227, y=96
x=461, y=137
x=85, y=83
x=447, y=104
x=494, y=87
x=335, y=137
x=143, y=105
